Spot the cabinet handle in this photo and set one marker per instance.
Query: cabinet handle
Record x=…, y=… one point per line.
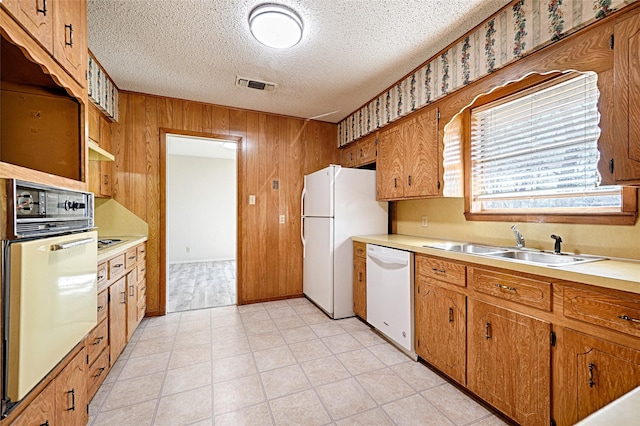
x=628, y=318
x=73, y=400
x=359, y=276
x=395, y=182
x=124, y=297
x=100, y=371
x=44, y=13
x=505, y=287
x=100, y=308
x=450, y=314
x=592, y=366
x=98, y=340
x=131, y=257
x=70, y=28
x=131, y=291
x=409, y=180
x=45, y=423
x=106, y=179
x=439, y=271
x=487, y=330
x=100, y=277
x=144, y=288
x=118, y=265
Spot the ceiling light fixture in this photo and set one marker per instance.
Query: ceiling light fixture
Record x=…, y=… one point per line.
x=275, y=25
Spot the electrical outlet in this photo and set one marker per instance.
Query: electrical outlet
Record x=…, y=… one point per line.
x=281, y=219
x=188, y=249
x=252, y=200
x=425, y=222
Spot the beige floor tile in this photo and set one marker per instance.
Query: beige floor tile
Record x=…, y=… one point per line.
x=99, y=398
x=205, y=422
x=115, y=371
x=132, y=415
x=192, y=340
x=258, y=415
x=284, y=323
x=166, y=331
x=298, y=301
x=367, y=338
x=417, y=375
x=353, y=324
x=276, y=304
x=490, y=421
x=325, y=370
x=284, y=381
x=149, y=347
x=193, y=326
x=233, y=367
x=251, y=308
x=315, y=317
x=254, y=316
x=384, y=385
x=227, y=348
x=388, y=354
x=224, y=310
x=361, y=361
x=189, y=356
x=225, y=320
x=344, y=398
x=145, y=365
x=342, y=343
x=415, y=410
x=260, y=327
x=269, y=340
x=184, y=408
x=294, y=335
x=302, y=408
x=269, y=359
x=173, y=318
x=133, y=391
x=375, y=417
x=237, y=393
x=286, y=311
x=309, y=349
x=227, y=333
x=458, y=407
x=327, y=329
x=199, y=315
x=187, y=378
x=307, y=308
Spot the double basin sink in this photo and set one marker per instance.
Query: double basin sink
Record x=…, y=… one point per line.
x=530, y=256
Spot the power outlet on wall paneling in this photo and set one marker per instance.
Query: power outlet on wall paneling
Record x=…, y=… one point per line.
x=425, y=221
x=281, y=219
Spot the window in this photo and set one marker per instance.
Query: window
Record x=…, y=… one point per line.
x=536, y=152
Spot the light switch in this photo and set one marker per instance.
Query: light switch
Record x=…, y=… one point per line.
x=425, y=222
x=252, y=200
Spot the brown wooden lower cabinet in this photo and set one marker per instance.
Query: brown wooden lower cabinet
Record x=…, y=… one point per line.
x=71, y=393
x=360, y=287
x=509, y=362
x=41, y=411
x=117, y=318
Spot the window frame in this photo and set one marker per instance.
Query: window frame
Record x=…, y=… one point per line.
x=628, y=212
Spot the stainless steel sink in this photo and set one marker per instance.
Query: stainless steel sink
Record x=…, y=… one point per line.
x=467, y=248
x=542, y=258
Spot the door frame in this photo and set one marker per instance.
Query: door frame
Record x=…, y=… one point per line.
x=162, y=237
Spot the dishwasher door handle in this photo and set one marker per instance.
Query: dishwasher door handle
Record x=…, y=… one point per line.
x=390, y=260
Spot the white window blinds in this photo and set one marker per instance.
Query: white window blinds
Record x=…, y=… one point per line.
x=539, y=151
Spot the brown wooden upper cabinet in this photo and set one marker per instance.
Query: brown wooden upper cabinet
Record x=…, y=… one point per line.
x=70, y=37
x=100, y=172
x=625, y=165
x=36, y=16
x=360, y=153
x=408, y=163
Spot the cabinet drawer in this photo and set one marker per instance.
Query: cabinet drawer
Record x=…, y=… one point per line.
x=366, y=151
x=97, y=373
x=97, y=341
x=116, y=267
x=130, y=258
x=142, y=308
x=607, y=309
x=527, y=291
x=348, y=156
x=142, y=271
x=142, y=289
x=441, y=270
x=141, y=251
x=102, y=277
x=103, y=305
x=360, y=249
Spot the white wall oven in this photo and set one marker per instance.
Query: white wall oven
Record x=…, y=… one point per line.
x=49, y=256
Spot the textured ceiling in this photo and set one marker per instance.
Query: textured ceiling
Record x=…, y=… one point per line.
x=351, y=50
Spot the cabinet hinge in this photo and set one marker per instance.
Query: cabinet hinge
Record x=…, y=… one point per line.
x=611, y=166
x=611, y=41
x=438, y=184
x=418, y=342
x=438, y=114
x=87, y=359
x=418, y=289
x=552, y=339
x=108, y=297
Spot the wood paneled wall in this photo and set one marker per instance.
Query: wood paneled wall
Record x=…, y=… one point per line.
x=271, y=148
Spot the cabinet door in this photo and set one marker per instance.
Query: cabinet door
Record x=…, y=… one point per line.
x=348, y=156
x=41, y=411
x=70, y=37
x=366, y=150
x=509, y=363
x=390, y=166
x=441, y=329
x=71, y=391
x=598, y=372
x=627, y=100
x=36, y=16
x=421, y=155
x=132, y=303
x=117, y=318
x=360, y=287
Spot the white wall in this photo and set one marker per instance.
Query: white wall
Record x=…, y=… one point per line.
x=201, y=208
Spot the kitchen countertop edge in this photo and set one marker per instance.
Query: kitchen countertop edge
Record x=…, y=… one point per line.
x=617, y=274
x=127, y=243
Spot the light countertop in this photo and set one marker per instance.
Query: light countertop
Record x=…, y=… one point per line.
x=128, y=242
x=618, y=274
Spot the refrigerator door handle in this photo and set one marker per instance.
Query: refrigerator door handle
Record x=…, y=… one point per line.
x=302, y=196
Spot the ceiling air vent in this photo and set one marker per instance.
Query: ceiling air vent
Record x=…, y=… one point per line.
x=255, y=84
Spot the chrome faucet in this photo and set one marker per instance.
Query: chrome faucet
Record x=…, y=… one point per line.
x=519, y=236
x=557, y=247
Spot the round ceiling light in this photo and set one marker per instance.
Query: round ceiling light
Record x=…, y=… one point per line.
x=275, y=25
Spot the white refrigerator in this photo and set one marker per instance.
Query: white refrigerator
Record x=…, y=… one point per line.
x=337, y=203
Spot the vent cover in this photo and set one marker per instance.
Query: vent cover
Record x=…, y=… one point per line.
x=255, y=84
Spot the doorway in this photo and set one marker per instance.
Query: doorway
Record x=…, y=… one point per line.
x=201, y=222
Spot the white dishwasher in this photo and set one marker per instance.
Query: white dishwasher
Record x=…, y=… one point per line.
x=390, y=294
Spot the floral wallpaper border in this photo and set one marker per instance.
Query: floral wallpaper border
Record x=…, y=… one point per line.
x=516, y=31
x=101, y=90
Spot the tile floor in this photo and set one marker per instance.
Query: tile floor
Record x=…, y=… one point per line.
x=198, y=285
x=282, y=363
